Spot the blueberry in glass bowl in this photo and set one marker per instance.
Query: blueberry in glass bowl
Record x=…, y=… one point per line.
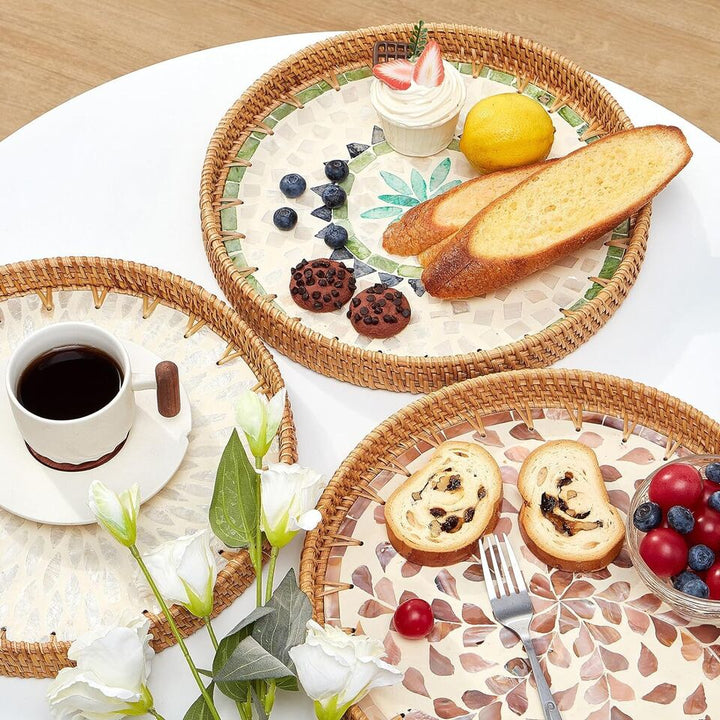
x=692, y=590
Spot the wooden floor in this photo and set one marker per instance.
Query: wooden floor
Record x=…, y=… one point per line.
x=51, y=50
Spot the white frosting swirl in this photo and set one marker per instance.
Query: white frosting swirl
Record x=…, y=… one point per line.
x=419, y=105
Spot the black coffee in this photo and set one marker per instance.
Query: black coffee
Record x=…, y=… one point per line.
x=69, y=382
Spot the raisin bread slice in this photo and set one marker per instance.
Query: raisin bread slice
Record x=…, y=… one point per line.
x=437, y=515
x=566, y=519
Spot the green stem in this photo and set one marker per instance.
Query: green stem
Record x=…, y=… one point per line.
x=156, y=714
x=258, y=536
x=271, y=573
x=211, y=632
x=175, y=632
x=270, y=697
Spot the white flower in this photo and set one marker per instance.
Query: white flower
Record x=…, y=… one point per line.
x=110, y=680
x=260, y=419
x=289, y=495
x=337, y=670
x=117, y=513
x=185, y=571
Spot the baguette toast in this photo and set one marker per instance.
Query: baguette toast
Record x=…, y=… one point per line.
x=557, y=210
x=435, y=219
x=566, y=518
x=437, y=515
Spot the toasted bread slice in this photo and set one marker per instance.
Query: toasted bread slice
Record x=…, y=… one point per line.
x=556, y=210
x=437, y=515
x=566, y=518
x=433, y=220
x=426, y=257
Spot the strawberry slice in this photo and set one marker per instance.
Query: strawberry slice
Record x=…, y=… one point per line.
x=429, y=70
x=396, y=74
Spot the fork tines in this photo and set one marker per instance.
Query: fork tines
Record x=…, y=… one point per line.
x=505, y=582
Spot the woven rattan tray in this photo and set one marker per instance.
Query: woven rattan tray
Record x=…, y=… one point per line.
x=170, y=315
x=610, y=648
x=314, y=106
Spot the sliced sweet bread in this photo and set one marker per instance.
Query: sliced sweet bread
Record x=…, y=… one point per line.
x=437, y=515
x=556, y=210
x=566, y=519
x=435, y=219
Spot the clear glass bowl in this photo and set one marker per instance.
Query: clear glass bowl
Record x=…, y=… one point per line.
x=686, y=605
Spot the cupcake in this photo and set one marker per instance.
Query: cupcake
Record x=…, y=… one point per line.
x=418, y=103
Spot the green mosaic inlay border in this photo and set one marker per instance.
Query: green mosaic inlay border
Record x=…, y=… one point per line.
x=228, y=216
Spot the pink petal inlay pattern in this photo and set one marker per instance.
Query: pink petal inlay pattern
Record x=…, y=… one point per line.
x=609, y=644
x=414, y=682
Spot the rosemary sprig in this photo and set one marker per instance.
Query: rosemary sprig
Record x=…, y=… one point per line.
x=418, y=40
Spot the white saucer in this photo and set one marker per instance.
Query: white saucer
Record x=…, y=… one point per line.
x=152, y=453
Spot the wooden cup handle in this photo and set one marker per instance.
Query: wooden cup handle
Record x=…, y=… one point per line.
x=168, y=388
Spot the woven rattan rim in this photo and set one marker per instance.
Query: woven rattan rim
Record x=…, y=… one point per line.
x=572, y=390
x=102, y=275
x=330, y=357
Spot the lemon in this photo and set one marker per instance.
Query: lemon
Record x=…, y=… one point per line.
x=506, y=131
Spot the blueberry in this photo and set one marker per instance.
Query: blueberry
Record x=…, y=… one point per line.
x=647, y=516
x=700, y=557
x=336, y=170
x=689, y=583
x=681, y=519
x=696, y=587
x=680, y=579
x=336, y=237
x=292, y=185
x=714, y=501
x=333, y=196
x=712, y=472
x=285, y=218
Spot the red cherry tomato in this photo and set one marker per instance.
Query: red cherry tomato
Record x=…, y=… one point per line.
x=706, y=530
x=414, y=619
x=664, y=551
x=712, y=578
x=708, y=489
x=677, y=484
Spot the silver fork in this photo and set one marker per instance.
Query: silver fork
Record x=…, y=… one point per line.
x=512, y=608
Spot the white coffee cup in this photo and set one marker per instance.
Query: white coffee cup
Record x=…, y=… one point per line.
x=84, y=442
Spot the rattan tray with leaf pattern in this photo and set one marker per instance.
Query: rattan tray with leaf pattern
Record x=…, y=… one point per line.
x=313, y=107
x=610, y=648
x=60, y=581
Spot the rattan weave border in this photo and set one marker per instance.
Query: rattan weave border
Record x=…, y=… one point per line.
x=423, y=420
x=324, y=60
x=102, y=275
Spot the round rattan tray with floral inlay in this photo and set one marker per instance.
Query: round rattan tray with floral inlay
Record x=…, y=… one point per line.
x=609, y=647
x=315, y=107
x=60, y=581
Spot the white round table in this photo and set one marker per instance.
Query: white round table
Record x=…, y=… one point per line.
x=116, y=172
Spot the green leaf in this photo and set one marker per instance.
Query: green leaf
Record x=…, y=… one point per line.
x=403, y=200
x=251, y=661
x=228, y=644
x=285, y=628
x=289, y=683
x=237, y=691
x=437, y=178
x=418, y=185
x=381, y=212
x=446, y=187
x=234, y=513
x=396, y=183
x=418, y=40
x=199, y=709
